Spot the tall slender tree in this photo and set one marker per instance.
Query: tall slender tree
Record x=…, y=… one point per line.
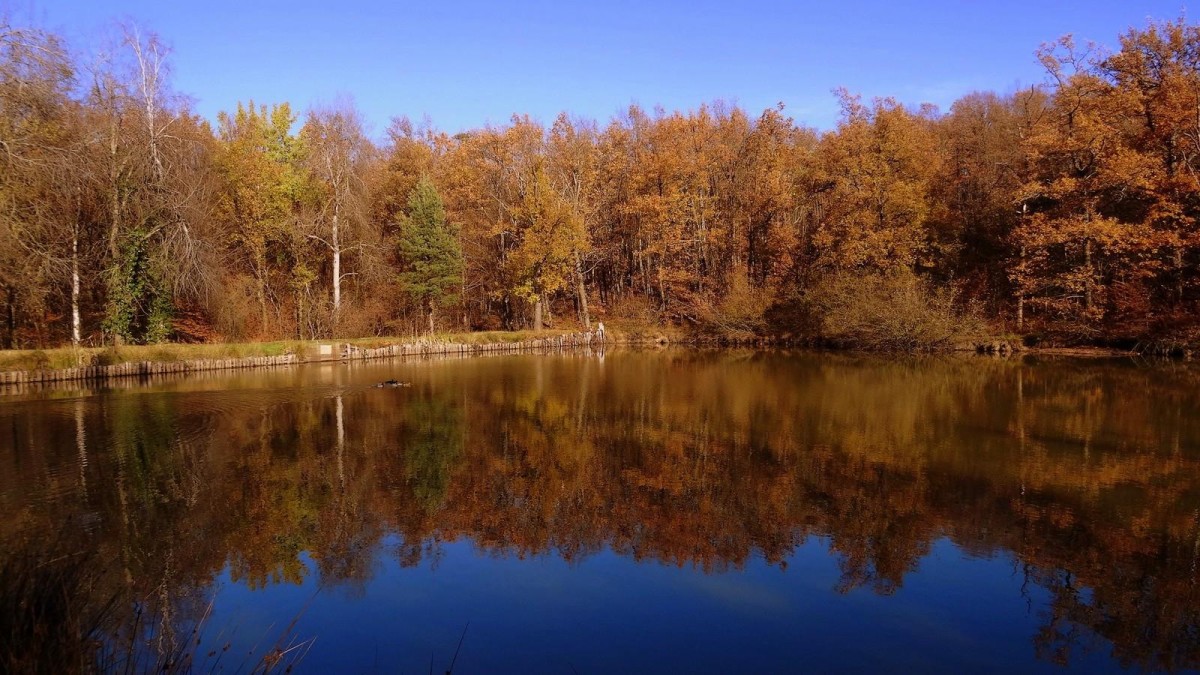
x=338, y=152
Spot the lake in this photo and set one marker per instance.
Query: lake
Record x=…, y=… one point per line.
x=638, y=511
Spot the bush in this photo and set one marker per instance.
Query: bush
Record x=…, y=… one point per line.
x=634, y=317
x=632, y=309
x=39, y=360
x=107, y=357
x=740, y=315
x=894, y=311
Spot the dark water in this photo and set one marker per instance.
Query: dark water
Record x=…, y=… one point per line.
x=668, y=511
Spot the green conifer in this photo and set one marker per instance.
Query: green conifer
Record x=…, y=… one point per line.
x=429, y=248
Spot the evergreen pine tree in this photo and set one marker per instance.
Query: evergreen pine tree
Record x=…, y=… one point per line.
x=429, y=248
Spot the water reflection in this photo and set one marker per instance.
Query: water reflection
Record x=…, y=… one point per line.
x=1086, y=473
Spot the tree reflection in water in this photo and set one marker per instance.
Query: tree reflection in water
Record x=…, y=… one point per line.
x=1086, y=473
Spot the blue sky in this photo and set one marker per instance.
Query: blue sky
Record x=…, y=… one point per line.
x=466, y=64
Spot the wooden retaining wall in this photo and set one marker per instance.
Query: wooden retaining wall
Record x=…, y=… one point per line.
x=141, y=369
x=567, y=341
x=20, y=379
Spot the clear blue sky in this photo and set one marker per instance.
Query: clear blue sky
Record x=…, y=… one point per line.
x=465, y=64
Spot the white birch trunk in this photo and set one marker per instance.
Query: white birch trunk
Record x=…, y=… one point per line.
x=337, y=269
x=75, y=322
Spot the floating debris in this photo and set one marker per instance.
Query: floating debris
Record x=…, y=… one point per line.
x=393, y=383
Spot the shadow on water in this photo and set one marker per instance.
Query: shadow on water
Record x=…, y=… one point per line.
x=1087, y=474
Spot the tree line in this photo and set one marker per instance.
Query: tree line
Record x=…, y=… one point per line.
x=1065, y=211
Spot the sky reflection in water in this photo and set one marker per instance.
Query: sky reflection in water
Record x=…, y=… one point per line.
x=649, y=511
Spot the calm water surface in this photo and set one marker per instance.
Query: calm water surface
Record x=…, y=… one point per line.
x=672, y=511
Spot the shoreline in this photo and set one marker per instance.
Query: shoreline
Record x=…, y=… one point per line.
x=362, y=349
x=314, y=352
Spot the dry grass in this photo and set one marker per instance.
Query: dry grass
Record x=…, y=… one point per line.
x=68, y=357
x=44, y=625
x=57, y=617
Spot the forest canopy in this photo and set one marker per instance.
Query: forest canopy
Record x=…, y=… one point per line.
x=1064, y=211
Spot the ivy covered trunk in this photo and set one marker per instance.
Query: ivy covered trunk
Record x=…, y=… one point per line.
x=139, y=303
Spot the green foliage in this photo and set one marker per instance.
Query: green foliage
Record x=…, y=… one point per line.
x=887, y=311
x=39, y=360
x=139, y=303
x=429, y=248
x=433, y=449
x=106, y=357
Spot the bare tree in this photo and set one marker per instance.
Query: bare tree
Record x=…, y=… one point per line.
x=338, y=154
x=40, y=195
x=155, y=176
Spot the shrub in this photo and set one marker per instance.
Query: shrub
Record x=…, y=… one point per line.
x=632, y=309
x=738, y=316
x=39, y=360
x=106, y=357
x=894, y=311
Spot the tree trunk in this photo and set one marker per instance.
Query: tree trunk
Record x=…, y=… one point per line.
x=262, y=299
x=10, y=318
x=1087, y=281
x=537, y=314
x=581, y=293
x=429, y=313
x=299, y=296
x=1179, y=277
x=114, y=186
x=1021, y=300
x=337, y=271
x=662, y=287
x=75, y=322
x=150, y=63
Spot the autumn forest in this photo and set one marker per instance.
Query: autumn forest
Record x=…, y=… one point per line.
x=1065, y=212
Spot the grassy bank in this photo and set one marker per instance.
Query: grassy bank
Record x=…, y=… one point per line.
x=70, y=357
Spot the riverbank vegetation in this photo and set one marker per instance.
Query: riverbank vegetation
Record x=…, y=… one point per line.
x=74, y=357
x=1065, y=212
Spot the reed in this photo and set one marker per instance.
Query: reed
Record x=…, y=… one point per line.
x=57, y=617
